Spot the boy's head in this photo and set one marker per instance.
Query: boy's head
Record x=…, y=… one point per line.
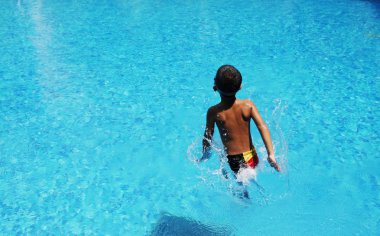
x=227, y=80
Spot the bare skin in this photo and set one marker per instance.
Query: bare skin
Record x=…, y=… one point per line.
x=232, y=117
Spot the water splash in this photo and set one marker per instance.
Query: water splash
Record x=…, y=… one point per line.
x=279, y=140
x=246, y=175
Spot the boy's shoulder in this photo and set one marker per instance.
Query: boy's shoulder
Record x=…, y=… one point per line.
x=214, y=108
x=245, y=103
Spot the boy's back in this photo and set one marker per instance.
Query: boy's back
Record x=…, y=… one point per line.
x=233, y=121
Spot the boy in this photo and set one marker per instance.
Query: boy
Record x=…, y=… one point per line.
x=233, y=116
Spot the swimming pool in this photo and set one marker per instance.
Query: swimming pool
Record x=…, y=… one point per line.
x=102, y=110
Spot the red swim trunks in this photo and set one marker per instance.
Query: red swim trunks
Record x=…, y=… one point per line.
x=244, y=159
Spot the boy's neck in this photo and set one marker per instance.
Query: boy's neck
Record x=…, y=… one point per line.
x=227, y=99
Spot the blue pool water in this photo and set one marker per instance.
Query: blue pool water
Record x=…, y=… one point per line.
x=102, y=111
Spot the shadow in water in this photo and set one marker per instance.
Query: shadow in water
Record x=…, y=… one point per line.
x=169, y=225
x=376, y=5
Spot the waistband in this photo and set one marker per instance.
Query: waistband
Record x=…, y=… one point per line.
x=246, y=155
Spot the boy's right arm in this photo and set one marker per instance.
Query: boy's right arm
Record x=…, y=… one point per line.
x=209, y=132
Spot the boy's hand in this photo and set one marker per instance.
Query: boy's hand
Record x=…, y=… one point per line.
x=272, y=162
x=206, y=155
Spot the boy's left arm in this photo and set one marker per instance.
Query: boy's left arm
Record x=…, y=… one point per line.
x=207, y=137
x=265, y=135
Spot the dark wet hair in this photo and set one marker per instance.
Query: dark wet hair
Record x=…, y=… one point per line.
x=228, y=79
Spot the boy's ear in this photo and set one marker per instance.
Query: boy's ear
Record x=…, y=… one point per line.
x=215, y=88
x=241, y=86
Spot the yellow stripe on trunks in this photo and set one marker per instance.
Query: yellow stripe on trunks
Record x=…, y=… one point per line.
x=248, y=155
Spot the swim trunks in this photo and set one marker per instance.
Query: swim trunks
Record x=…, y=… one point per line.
x=244, y=159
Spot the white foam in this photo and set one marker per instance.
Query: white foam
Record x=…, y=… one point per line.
x=245, y=175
